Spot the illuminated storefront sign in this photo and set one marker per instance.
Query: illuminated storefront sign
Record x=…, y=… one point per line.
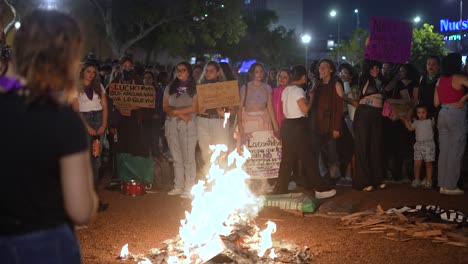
x=452, y=37
x=446, y=25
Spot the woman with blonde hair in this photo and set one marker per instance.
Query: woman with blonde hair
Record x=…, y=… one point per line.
x=45, y=151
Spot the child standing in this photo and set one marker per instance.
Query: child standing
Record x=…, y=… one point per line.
x=424, y=148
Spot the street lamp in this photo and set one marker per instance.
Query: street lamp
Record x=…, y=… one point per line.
x=356, y=11
x=333, y=13
x=305, y=38
x=460, y=25
x=417, y=19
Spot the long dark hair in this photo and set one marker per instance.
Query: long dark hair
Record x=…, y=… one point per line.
x=451, y=64
x=191, y=87
x=367, y=66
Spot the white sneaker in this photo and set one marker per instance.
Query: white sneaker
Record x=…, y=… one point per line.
x=416, y=183
x=451, y=192
x=325, y=194
x=175, y=192
x=186, y=195
x=369, y=188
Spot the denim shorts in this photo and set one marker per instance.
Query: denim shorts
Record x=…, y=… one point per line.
x=51, y=246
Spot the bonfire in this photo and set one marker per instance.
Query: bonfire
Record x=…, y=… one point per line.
x=221, y=226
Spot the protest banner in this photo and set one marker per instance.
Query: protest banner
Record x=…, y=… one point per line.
x=125, y=110
x=389, y=40
x=132, y=95
x=220, y=94
x=266, y=155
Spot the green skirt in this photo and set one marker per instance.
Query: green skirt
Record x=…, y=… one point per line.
x=135, y=168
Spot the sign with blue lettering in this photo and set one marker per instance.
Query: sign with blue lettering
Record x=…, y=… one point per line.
x=446, y=25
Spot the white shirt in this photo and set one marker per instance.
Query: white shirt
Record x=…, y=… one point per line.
x=87, y=105
x=289, y=98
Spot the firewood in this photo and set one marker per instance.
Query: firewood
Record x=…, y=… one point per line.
x=370, y=232
x=401, y=216
x=380, y=210
x=397, y=228
x=368, y=223
x=355, y=215
x=429, y=233
x=457, y=236
x=460, y=244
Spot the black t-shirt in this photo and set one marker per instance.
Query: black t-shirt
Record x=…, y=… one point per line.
x=426, y=93
x=33, y=138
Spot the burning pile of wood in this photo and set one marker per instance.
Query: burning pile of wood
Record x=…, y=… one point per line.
x=396, y=226
x=240, y=246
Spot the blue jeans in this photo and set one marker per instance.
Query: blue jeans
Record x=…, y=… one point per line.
x=452, y=139
x=52, y=246
x=94, y=119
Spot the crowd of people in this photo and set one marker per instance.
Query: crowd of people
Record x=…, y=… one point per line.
x=336, y=126
x=358, y=125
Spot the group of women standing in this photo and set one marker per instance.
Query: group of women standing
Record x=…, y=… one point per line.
x=188, y=124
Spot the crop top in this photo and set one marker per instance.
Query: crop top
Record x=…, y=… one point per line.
x=256, y=97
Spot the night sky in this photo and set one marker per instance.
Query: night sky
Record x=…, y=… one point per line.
x=318, y=22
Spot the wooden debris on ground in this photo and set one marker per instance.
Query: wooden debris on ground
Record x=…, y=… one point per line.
x=398, y=227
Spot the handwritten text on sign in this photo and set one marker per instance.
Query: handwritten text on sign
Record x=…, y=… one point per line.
x=389, y=41
x=266, y=155
x=220, y=94
x=132, y=95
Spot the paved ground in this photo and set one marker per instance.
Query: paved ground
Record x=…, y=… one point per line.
x=144, y=222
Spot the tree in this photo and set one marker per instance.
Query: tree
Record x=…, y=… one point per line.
x=275, y=47
x=353, y=49
x=179, y=22
x=426, y=42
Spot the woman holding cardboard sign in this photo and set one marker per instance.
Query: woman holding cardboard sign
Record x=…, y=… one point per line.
x=181, y=129
x=210, y=122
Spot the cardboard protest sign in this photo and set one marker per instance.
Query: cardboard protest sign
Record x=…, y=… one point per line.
x=266, y=155
x=220, y=94
x=389, y=40
x=125, y=110
x=132, y=95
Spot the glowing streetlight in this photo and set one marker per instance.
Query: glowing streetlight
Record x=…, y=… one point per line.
x=333, y=14
x=356, y=11
x=49, y=4
x=306, y=38
x=417, y=19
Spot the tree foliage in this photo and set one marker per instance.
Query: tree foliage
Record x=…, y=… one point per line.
x=169, y=24
x=353, y=49
x=425, y=43
x=276, y=47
